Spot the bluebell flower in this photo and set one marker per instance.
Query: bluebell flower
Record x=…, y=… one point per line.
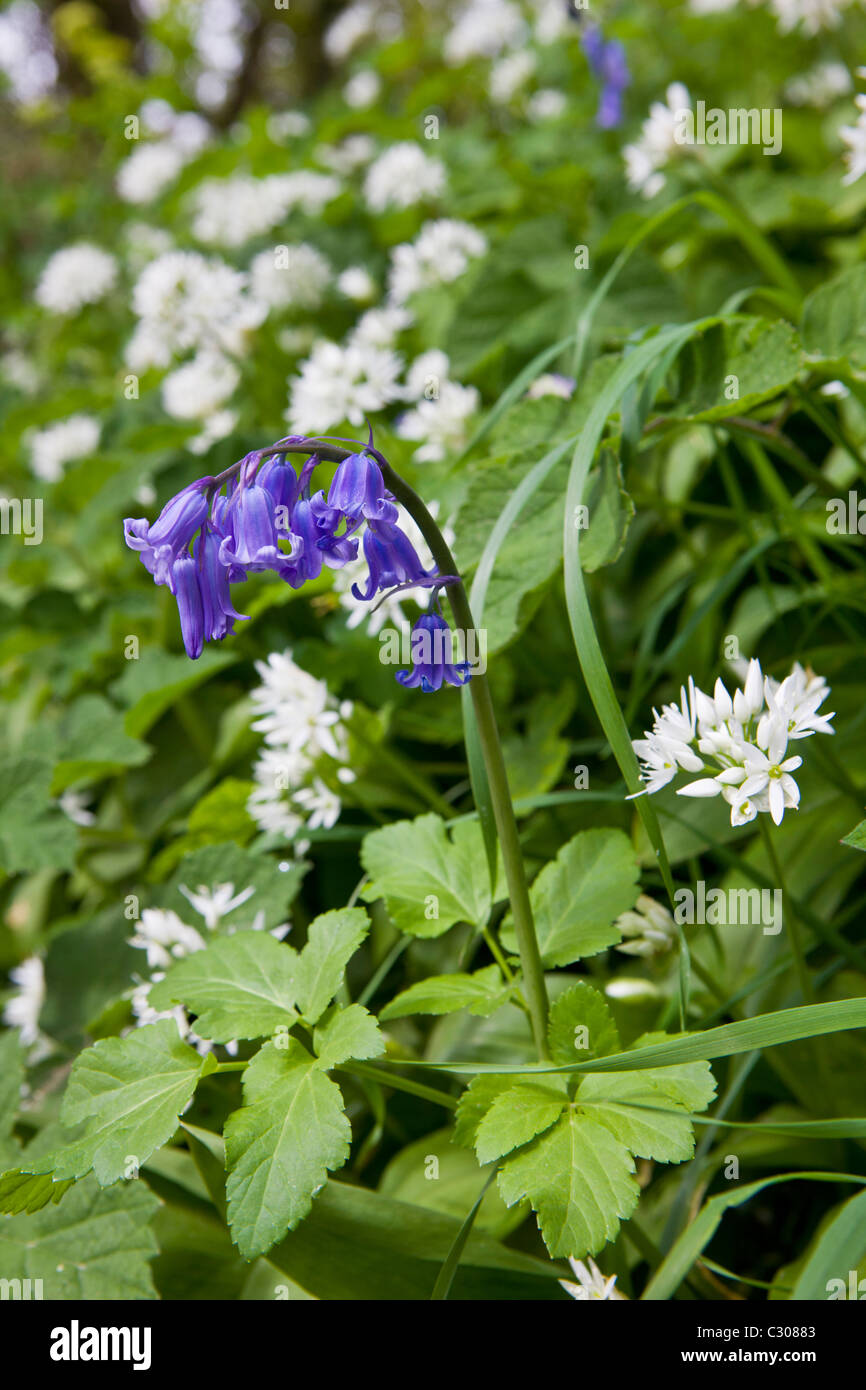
x=392, y=560
x=607, y=60
x=187, y=590
x=218, y=613
x=251, y=539
x=358, y=490
x=432, y=646
x=169, y=536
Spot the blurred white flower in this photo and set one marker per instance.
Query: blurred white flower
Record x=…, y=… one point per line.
x=357, y=283
x=212, y=904
x=341, y=383
x=546, y=104
x=509, y=74
x=362, y=89
x=74, y=805
x=439, y=422
x=26, y=51
x=79, y=274
x=20, y=371
x=810, y=15
x=230, y=212
x=402, y=176
x=439, y=255
x=657, y=142
x=287, y=125
x=195, y=390
x=366, y=19
x=295, y=276
x=379, y=328
x=148, y=171
x=482, y=29
x=552, y=384
x=164, y=937
x=185, y=300
x=648, y=927
x=23, y=1009
x=854, y=137
x=819, y=86
x=56, y=445
x=351, y=154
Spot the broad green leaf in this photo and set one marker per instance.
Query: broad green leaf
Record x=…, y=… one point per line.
x=227, y=862
x=34, y=834
x=481, y=993
x=94, y=743
x=20, y=1191
x=280, y=1145
x=581, y=1025
x=834, y=318
x=128, y=1092
x=610, y=510
x=517, y=1115
x=579, y=1180
x=152, y=684
x=96, y=1246
x=731, y=366
x=240, y=986
x=11, y=1077
x=437, y=1173
x=332, y=940
x=577, y=898
x=474, y=1104
x=429, y=878
x=856, y=838
x=347, y=1033
x=614, y=1102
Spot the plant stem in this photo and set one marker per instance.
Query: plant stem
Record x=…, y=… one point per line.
x=790, y=917
x=485, y=717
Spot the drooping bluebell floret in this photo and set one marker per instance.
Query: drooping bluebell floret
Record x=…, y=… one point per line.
x=358, y=490
x=315, y=524
x=392, y=561
x=432, y=650
x=187, y=590
x=607, y=60
x=169, y=536
x=251, y=539
x=218, y=612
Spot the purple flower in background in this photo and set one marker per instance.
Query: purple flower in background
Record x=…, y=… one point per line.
x=432, y=650
x=607, y=59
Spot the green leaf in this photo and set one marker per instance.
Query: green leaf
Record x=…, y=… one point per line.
x=455, y=1186
x=153, y=683
x=128, y=1092
x=731, y=366
x=280, y=1145
x=474, y=1104
x=429, y=878
x=347, y=1033
x=94, y=744
x=517, y=1115
x=615, y=1100
x=229, y=863
x=610, y=511
x=332, y=940
x=581, y=1025
x=481, y=993
x=856, y=838
x=841, y=1247
x=577, y=898
x=11, y=1078
x=579, y=1180
x=34, y=834
x=96, y=1246
x=240, y=986
x=834, y=318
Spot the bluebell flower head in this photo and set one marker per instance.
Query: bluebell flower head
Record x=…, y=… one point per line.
x=169, y=536
x=392, y=560
x=358, y=490
x=432, y=649
x=607, y=59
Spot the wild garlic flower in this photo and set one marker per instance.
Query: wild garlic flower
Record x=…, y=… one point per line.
x=591, y=1283
x=22, y=1010
x=657, y=143
x=740, y=741
x=648, y=927
x=78, y=275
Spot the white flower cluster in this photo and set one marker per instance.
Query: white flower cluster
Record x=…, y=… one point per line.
x=154, y=165
x=482, y=29
x=291, y=276
x=230, y=212
x=810, y=15
x=79, y=274
x=301, y=723
x=439, y=255
x=165, y=938
x=402, y=176
x=743, y=738
x=186, y=301
x=591, y=1284
x=819, y=86
x=438, y=420
x=64, y=442
x=657, y=142
x=364, y=20
x=648, y=928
